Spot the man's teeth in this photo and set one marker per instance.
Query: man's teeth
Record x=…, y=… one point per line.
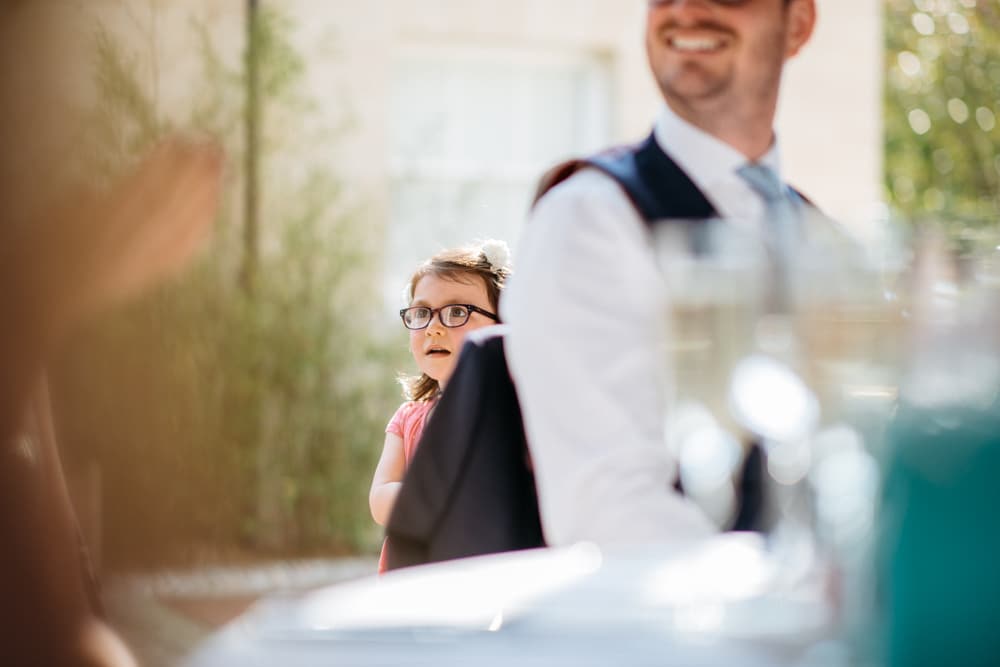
x=694, y=43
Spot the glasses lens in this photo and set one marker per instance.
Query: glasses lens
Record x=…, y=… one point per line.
x=454, y=316
x=416, y=318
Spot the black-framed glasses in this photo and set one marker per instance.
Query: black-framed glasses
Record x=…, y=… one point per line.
x=452, y=315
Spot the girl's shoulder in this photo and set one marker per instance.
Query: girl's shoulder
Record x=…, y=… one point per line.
x=410, y=410
x=404, y=408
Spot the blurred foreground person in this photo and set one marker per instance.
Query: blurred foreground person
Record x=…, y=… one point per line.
x=63, y=258
x=55, y=271
x=588, y=337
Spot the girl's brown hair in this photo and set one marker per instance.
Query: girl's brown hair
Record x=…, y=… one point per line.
x=487, y=261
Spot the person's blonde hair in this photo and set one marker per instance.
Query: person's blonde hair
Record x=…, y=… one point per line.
x=488, y=261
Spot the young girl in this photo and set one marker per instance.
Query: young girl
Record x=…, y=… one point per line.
x=449, y=295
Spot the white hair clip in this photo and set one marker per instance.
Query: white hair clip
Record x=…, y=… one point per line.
x=497, y=254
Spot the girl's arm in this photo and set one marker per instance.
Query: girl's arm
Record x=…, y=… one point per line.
x=388, y=479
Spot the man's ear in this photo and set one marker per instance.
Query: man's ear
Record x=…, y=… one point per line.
x=801, y=21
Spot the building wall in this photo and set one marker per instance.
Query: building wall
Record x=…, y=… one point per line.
x=354, y=49
x=829, y=118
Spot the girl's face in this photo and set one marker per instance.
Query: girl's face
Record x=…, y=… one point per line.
x=436, y=347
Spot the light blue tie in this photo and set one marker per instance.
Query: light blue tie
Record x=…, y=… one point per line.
x=781, y=218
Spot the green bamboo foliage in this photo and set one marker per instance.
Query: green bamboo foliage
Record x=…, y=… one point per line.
x=942, y=110
x=201, y=399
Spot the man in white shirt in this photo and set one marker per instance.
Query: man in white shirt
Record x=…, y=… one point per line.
x=585, y=307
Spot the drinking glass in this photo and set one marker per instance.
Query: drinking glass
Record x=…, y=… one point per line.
x=785, y=353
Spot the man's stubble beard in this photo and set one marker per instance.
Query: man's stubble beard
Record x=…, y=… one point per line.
x=705, y=88
x=702, y=101
x=716, y=101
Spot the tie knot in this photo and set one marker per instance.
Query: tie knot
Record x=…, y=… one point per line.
x=763, y=180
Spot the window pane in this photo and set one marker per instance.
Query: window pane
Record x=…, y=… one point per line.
x=472, y=131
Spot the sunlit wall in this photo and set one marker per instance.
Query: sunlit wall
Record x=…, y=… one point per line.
x=439, y=94
x=442, y=114
x=830, y=117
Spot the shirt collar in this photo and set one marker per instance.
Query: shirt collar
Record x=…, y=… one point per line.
x=709, y=162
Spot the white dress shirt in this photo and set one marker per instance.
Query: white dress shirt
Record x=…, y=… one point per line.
x=587, y=349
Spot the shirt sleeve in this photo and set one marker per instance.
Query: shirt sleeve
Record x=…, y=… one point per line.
x=586, y=347
x=396, y=424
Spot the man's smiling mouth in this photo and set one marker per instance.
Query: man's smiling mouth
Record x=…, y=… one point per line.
x=695, y=44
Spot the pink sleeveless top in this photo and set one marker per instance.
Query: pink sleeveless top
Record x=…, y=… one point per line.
x=408, y=424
